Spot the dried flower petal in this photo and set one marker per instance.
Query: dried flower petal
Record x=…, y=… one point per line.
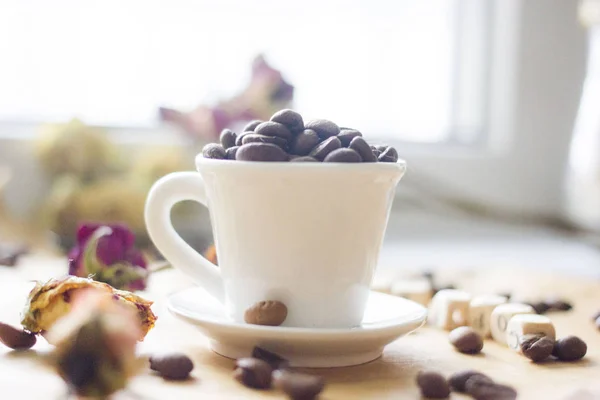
x=95, y=344
x=50, y=301
x=108, y=254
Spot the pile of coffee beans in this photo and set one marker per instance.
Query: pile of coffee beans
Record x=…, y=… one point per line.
x=286, y=137
x=172, y=366
x=434, y=385
x=266, y=369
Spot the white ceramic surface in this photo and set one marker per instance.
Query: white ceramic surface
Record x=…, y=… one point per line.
x=306, y=234
x=386, y=319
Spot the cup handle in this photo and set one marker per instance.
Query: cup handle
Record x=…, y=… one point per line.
x=164, y=194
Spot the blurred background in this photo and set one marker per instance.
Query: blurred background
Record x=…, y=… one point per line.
x=494, y=104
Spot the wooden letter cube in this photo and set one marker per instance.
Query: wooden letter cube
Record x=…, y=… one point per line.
x=528, y=324
x=480, y=312
x=417, y=290
x=502, y=314
x=449, y=309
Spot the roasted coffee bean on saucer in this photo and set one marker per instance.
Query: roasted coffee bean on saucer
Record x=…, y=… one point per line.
x=174, y=366
x=253, y=373
x=230, y=152
x=433, y=385
x=270, y=313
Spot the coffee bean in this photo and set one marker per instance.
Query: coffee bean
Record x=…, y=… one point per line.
x=213, y=150
x=323, y=127
x=343, y=155
x=536, y=347
x=298, y=386
x=466, y=340
x=376, y=151
x=16, y=339
x=274, y=360
x=346, y=136
x=230, y=152
x=257, y=138
x=596, y=315
x=227, y=138
x=290, y=118
x=240, y=137
x=569, y=348
x=270, y=312
x=483, y=388
x=433, y=385
x=174, y=366
x=253, y=373
x=555, y=304
x=304, y=142
x=325, y=147
x=459, y=379
x=251, y=126
x=303, y=159
x=261, y=152
x=270, y=128
x=363, y=149
x=388, y=155
x=539, y=307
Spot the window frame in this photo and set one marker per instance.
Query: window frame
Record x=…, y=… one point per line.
x=514, y=166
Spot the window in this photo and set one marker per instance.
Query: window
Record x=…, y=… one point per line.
x=406, y=69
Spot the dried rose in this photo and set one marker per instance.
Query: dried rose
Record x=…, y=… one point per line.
x=95, y=345
x=50, y=301
x=107, y=254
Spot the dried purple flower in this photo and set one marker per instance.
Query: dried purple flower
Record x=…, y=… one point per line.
x=107, y=253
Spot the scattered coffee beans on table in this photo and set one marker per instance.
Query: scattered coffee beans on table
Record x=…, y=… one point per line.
x=286, y=137
x=481, y=387
x=466, y=340
x=459, y=379
x=569, y=348
x=15, y=338
x=270, y=312
x=253, y=373
x=536, y=347
x=274, y=360
x=298, y=386
x=174, y=366
x=433, y=385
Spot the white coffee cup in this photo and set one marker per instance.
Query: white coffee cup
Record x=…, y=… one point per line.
x=305, y=234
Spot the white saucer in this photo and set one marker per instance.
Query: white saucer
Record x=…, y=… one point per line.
x=386, y=319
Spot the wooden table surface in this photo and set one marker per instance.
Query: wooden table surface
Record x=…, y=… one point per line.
x=390, y=377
